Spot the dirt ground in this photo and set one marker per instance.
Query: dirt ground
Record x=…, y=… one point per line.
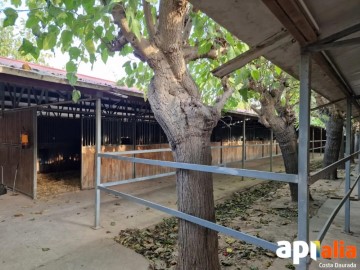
x=264, y=210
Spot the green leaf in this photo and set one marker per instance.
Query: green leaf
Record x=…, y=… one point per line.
x=50, y=37
x=255, y=74
x=90, y=46
x=32, y=21
x=66, y=38
x=28, y=48
x=278, y=70
x=71, y=67
x=244, y=93
x=88, y=5
x=133, y=4
x=16, y=3
x=104, y=55
x=74, y=53
x=70, y=4
x=76, y=95
x=127, y=66
x=204, y=47
x=11, y=16
x=72, y=78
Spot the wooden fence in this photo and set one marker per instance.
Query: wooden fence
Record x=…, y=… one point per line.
x=115, y=170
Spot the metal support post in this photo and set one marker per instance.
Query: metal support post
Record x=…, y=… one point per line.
x=134, y=134
x=303, y=166
x=97, y=163
x=358, y=149
x=271, y=149
x=358, y=144
x=313, y=142
x=321, y=141
x=243, y=153
x=347, y=165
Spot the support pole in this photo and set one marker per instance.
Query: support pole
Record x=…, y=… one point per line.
x=134, y=124
x=303, y=163
x=271, y=149
x=347, y=165
x=243, y=153
x=358, y=144
x=313, y=142
x=97, y=163
x=321, y=141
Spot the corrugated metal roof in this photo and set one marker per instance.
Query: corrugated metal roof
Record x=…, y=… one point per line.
x=91, y=82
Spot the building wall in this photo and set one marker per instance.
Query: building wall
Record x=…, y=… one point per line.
x=17, y=162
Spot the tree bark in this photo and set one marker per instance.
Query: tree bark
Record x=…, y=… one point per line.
x=198, y=246
x=281, y=120
x=188, y=125
x=287, y=140
x=334, y=135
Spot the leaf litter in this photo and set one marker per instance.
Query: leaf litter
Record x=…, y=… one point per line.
x=263, y=210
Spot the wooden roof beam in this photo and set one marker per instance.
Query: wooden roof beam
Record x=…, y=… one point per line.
x=248, y=56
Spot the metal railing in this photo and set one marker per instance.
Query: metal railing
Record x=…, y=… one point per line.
x=283, y=177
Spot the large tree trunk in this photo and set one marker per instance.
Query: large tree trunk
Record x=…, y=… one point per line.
x=188, y=125
x=281, y=120
x=198, y=247
x=287, y=139
x=334, y=135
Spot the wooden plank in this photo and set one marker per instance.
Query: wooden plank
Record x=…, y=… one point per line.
x=11, y=153
x=255, y=52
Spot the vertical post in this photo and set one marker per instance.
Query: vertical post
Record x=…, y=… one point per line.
x=313, y=142
x=321, y=140
x=347, y=165
x=271, y=149
x=134, y=145
x=97, y=162
x=221, y=146
x=243, y=153
x=358, y=149
x=303, y=163
x=35, y=149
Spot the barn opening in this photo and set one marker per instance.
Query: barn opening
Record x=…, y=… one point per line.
x=60, y=156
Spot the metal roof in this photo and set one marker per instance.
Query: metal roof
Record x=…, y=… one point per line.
x=53, y=75
x=335, y=71
x=44, y=73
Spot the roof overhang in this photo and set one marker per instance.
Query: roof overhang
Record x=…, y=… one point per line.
x=335, y=71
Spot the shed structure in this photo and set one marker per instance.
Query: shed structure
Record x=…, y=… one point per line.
x=62, y=134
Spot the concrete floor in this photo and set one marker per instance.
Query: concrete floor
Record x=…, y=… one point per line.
x=57, y=234
x=335, y=232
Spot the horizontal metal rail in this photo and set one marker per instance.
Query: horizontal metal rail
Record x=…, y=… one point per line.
x=331, y=218
x=134, y=152
x=202, y=222
x=283, y=177
x=138, y=179
x=319, y=174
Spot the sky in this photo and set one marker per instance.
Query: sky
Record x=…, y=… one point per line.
x=112, y=70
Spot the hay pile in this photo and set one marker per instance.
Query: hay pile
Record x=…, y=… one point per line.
x=51, y=184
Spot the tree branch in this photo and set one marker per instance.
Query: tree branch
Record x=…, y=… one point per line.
x=171, y=24
x=228, y=91
x=192, y=53
x=262, y=118
x=149, y=19
x=188, y=26
x=118, y=43
x=142, y=46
